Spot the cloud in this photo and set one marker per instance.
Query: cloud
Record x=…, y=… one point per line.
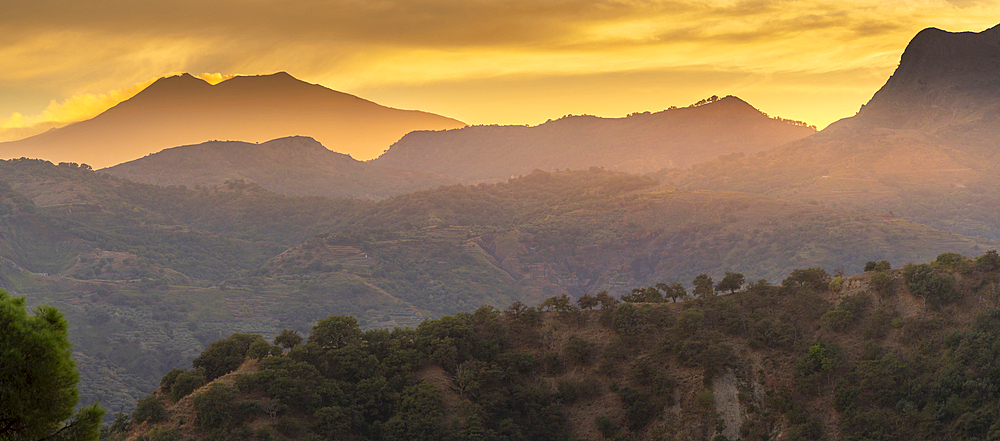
x=75, y=48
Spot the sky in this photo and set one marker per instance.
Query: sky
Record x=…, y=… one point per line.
x=479, y=61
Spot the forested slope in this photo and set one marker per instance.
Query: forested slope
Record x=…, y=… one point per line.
x=889, y=354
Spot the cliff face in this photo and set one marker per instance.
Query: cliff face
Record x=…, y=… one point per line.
x=947, y=84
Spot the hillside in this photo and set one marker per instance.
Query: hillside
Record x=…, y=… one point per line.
x=923, y=148
x=184, y=110
x=294, y=166
x=148, y=276
x=889, y=354
x=639, y=143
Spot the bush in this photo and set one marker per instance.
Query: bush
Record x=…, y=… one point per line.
x=149, y=409
x=572, y=391
x=185, y=382
x=816, y=279
x=639, y=410
x=605, y=426
x=925, y=281
x=881, y=283
x=882, y=265
x=578, y=350
x=224, y=356
x=837, y=320
x=216, y=407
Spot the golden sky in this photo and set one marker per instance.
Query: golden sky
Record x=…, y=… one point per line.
x=480, y=61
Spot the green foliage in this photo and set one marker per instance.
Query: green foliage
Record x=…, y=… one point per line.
x=816, y=279
x=638, y=324
x=881, y=283
x=587, y=301
x=224, y=356
x=674, y=291
x=950, y=260
x=572, y=391
x=335, y=332
x=38, y=377
x=216, y=407
x=836, y=284
x=639, y=409
x=185, y=382
x=989, y=261
x=882, y=265
x=703, y=286
x=605, y=426
x=837, y=320
x=149, y=409
x=578, y=350
x=814, y=369
x=925, y=281
x=732, y=282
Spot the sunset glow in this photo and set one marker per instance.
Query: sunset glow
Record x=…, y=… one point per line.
x=528, y=61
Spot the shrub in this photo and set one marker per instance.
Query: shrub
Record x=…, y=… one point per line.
x=816, y=279
x=216, y=407
x=579, y=350
x=837, y=320
x=881, y=283
x=186, y=382
x=882, y=265
x=925, y=281
x=149, y=409
x=639, y=411
x=605, y=426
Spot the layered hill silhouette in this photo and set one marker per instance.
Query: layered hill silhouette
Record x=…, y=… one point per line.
x=184, y=110
x=639, y=143
x=925, y=146
x=184, y=266
x=294, y=165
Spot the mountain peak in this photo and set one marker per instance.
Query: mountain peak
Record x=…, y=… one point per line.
x=942, y=77
x=176, y=83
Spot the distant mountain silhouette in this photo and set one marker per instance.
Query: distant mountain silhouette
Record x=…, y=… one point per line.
x=639, y=143
x=294, y=165
x=184, y=110
x=947, y=84
x=924, y=147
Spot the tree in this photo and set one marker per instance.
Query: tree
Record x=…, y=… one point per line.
x=606, y=300
x=925, y=281
x=587, y=301
x=673, y=291
x=816, y=279
x=38, y=377
x=288, y=339
x=224, y=356
x=216, y=406
x=882, y=283
x=732, y=282
x=882, y=265
x=703, y=286
x=335, y=332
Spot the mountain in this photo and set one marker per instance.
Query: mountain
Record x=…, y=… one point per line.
x=924, y=147
x=294, y=165
x=149, y=275
x=183, y=110
x=639, y=143
x=947, y=84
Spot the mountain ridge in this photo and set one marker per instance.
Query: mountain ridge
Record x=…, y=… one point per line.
x=184, y=110
x=639, y=143
x=295, y=165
